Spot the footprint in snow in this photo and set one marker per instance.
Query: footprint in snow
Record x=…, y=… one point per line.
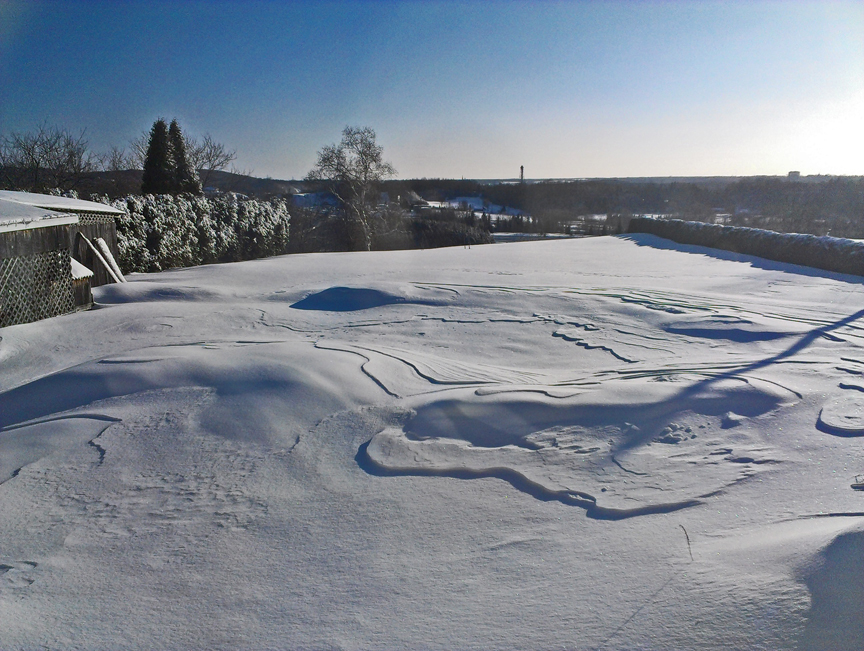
x=17, y=574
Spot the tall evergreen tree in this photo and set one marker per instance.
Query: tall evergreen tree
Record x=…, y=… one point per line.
x=185, y=178
x=158, y=175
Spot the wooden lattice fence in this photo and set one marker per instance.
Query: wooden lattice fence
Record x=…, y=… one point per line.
x=35, y=287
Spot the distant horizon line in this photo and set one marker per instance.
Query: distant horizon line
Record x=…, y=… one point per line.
x=514, y=179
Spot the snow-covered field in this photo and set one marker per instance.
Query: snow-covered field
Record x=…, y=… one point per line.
x=607, y=443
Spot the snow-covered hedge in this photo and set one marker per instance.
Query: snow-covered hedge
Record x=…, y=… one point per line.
x=159, y=232
x=829, y=253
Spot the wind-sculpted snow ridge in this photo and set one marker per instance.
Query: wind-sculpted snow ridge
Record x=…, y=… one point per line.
x=404, y=373
x=268, y=391
x=844, y=415
x=657, y=300
x=519, y=481
x=732, y=328
x=834, y=580
x=140, y=292
x=829, y=253
x=624, y=449
x=48, y=436
x=611, y=338
x=706, y=316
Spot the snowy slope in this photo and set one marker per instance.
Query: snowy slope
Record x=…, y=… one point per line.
x=607, y=443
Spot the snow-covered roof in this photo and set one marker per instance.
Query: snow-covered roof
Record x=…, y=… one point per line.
x=79, y=271
x=15, y=216
x=60, y=204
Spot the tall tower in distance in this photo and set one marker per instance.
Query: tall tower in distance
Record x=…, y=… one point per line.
x=521, y=174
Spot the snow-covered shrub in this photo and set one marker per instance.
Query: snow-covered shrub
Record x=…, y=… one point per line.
x=262, y=228
x=822, y=252
x=132, y=234
x=159, y=232
x=223, y=212
x=171, y=236
x=205, y=230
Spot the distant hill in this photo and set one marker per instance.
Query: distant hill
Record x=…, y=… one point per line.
x=114, y=184
x=251, y=185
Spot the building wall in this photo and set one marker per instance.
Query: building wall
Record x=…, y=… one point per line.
x=35, y=275
x=35, y=268
x=30, y=241
x=82, y=296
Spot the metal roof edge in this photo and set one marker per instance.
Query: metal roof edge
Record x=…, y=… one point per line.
x=110, y=211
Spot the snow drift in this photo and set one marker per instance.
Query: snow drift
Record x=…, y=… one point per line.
x=582, y=444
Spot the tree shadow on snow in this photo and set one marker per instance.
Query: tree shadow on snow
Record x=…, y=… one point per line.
x=686, y=396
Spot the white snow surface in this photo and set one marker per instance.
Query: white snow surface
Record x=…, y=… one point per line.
x=50, y=202
x=16, y=216
x=584, y=444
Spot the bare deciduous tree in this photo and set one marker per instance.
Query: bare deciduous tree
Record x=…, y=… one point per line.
x=208, y=156
x=118, y=159
x=138, y=150
x=352, y=169
x=49, y=157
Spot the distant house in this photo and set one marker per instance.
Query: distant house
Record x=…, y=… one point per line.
x=40, y=235
x=315, y=200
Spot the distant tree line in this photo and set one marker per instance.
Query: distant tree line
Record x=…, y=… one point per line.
x=829, y=206
x=170, y=224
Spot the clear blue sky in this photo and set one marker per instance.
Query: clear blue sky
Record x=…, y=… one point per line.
x=456, y=89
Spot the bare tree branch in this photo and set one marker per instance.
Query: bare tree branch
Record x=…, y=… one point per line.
x=138, y=150
x=117, y=159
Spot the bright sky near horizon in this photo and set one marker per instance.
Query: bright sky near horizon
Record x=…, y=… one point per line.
x=455, y=89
